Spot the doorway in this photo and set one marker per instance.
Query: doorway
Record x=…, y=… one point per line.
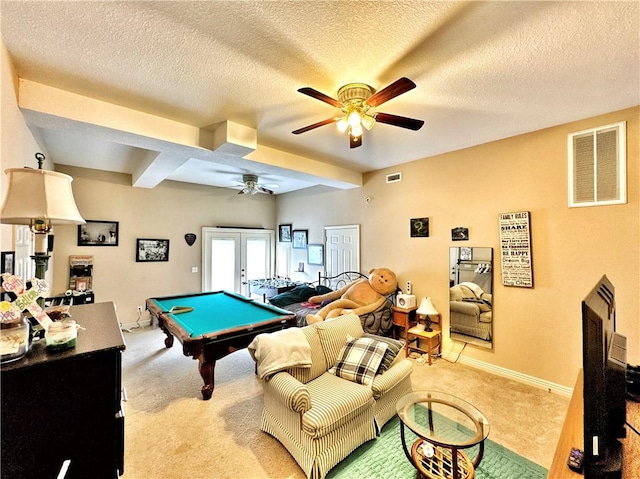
x=342, y=246
x=232, y=257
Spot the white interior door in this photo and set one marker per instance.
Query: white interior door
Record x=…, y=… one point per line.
x=231, y=257
x=342, y=246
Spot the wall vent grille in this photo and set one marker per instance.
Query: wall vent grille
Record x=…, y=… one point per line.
x=394, y=177
x=597, y=166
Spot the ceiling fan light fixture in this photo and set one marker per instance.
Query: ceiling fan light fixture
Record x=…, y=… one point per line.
x=367, y=121
x=354, y=118
x=356, y=102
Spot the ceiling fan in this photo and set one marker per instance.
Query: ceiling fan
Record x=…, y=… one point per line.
x=250, y=186
x=355, y=102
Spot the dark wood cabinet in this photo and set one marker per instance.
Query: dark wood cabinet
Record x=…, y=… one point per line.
x=66, y=405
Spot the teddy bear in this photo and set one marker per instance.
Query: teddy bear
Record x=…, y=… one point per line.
x=360, y=296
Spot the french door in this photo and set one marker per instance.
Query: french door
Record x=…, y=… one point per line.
x=232, y=257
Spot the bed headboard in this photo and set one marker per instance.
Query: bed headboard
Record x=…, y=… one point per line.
x=340, y=280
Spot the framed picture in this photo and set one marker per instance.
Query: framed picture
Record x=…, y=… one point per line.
x=460, y=234
x=419, y=227
x=300, y=239
x=284, y=233
x=152, y=250
x=8, y=262
x=98, y=233
x=315, y=254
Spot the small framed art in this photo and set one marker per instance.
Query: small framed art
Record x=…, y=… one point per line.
x=284, y=233
x=98, y=233
x=300, y=239
x=460, y=234
x=315, y=254
x=152, y=250
x=419, y=227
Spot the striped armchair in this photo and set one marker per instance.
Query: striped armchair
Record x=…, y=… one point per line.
x=321, y=418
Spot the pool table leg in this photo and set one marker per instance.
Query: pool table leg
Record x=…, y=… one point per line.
x=168, y=341
x=206, y=369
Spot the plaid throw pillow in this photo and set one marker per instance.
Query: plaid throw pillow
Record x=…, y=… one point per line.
x=394, y=346
x=359, y=360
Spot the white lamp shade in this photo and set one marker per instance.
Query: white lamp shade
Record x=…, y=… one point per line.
x=426, y=308
x=39, y=194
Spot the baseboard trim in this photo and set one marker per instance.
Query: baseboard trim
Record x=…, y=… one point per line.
x=508, y=373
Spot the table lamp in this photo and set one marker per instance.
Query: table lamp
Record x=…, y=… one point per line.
x=41, y=199
x=426, y=308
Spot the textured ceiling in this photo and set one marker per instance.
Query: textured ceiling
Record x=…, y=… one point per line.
x=484, y=71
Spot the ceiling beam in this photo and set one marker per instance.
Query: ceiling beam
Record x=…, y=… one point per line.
x=168, y=144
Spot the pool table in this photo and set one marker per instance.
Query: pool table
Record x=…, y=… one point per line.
x=215, y=324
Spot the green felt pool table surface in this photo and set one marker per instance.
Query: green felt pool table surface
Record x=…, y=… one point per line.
x=217, y=312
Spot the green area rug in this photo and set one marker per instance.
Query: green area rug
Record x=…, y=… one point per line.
x=383, y=458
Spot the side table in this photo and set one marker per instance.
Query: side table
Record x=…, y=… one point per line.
x=403, y=318
x=416, y=333
x=445, y=426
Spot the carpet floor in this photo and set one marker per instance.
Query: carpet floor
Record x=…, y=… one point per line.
x=170, y=432
x=383, y=458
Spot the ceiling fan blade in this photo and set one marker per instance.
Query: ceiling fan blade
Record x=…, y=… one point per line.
x=398, y=87
x=320, y=96
x=355, y=141
x=265, y=190
x=315, y=125
x=401, y=121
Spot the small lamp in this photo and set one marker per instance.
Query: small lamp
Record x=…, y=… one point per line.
x=41, y=199
x=426, y=308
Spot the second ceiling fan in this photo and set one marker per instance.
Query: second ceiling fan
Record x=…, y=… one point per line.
x=356, y=101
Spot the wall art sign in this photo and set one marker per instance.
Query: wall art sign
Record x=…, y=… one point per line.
x=284, y=233
x=190, y=238
x=515, y=248
x=460, y=234
x=315, y=254
x=152, y=250
x=98, y=233
x=300, y=239
x=419, y=227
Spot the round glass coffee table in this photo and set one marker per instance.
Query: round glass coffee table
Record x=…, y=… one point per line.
x=445, y=426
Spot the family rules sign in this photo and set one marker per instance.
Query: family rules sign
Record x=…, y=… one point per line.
x=515, y=248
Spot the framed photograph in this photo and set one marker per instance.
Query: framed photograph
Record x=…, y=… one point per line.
x=459, y=234
x=300, y=239
x=315, y=254
x=152, y=250
x=419, y=227
x=8, y=262
x=98, y=233
x=284, y=233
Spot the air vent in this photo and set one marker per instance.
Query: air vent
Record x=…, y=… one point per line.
x=597, y=166
x=394, y=177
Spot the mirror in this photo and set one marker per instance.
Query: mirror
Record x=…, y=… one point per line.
x=470, y=295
